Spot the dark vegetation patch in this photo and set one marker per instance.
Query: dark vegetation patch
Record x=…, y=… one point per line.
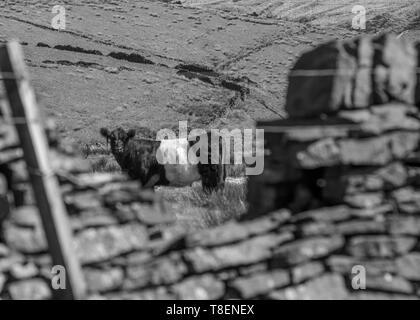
x=77, y=49
x=130, y=57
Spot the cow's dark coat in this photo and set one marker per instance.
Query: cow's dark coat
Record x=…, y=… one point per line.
x=137, y=157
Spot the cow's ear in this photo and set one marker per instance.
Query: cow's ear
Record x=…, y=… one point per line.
x=131, y=133
x=104, y=132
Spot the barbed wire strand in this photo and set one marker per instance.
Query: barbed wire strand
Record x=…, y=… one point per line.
x=21, y=120
x=292, y=73
x=331, y=72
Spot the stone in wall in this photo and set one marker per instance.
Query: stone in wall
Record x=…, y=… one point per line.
x=352, y=74
x=403, y=225
x=389, y=283
x=26, y=217
x=231, y=232
x=26, y=240
x=361, y=226
x=360, y=144
x=4, y=201
x=371, y=151
x=329, y=214
x=24, y=270
x=394, y=71
x=305, y=250
x=93, y=218
x=205, y=287
x=102, y=280
x=342, y=181
x=260, y=283
x=326, y=287
x=96, y=245
x=323, y=93
x=33, y=289
x=159, y=293
x=380, y=246
x=227, y=233
x=306, y=271
x=243, y=253
x=408, y=266
x=407, y=199
x=166, y=270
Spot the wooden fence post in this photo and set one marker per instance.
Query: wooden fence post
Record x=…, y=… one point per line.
x=44, y=182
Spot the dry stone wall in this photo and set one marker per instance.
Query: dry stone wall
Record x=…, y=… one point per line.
x=346, y=162
x=111, y=217
x=352, y=74
x=338, y=191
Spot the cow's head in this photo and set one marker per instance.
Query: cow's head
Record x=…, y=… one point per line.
x=117, y=138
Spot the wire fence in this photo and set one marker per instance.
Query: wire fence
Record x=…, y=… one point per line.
x=20, y=120
x=13, y=121
x=333, y=72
